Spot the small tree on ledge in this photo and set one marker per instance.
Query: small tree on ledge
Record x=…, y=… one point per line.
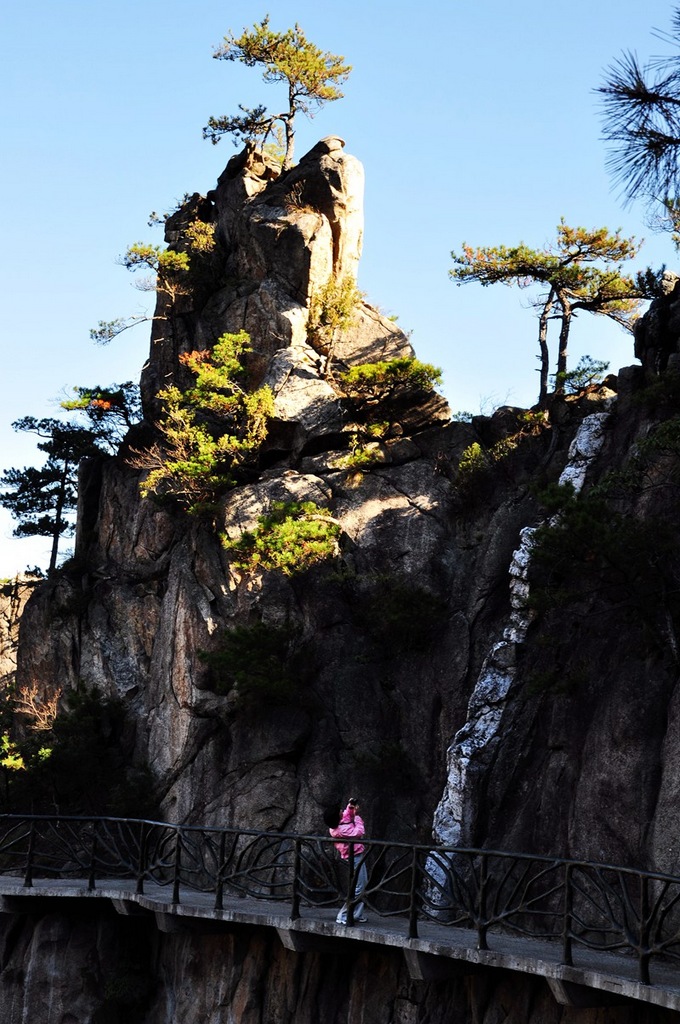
x=572, y=279
x=312, y=76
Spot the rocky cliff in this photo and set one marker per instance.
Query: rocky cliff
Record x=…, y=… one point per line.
x=14, y=593
x=436, y=665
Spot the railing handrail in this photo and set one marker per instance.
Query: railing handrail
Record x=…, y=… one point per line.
x=600, y=906
x=431, y=848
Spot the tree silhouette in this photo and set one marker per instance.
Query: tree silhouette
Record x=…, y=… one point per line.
x=40, y=499
x=111, y=411
x=641, y=110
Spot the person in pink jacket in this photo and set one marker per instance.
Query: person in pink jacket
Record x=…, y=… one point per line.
x=344, y=825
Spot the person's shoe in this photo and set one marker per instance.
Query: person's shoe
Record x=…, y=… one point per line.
x=360, y=920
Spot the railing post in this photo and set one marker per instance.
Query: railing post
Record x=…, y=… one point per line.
x=481, y=909
x=643, y=937
x=93, y=859
x=28, y=875
x=295, y=905
x=350, y=887
x=177, y=867
x=413, y=900
x=143, y=850
x=219, y=886
x=567, y=953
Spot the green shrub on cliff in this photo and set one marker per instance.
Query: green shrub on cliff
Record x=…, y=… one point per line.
x=209, y=432
x=594, y=549
x=381, y=381
x=262, y=662
x=290, y=539
x=81, y=764
x=587, y=373
x=479, y=463
x=332, y=308
x=365, y=450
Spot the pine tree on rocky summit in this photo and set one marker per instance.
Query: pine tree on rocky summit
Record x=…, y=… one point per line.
x=311, y=74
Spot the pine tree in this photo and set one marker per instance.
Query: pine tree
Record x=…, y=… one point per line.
x=209, y=433
x=642, y=120
x=41, y=499
x=312, y=77
x=110, y=411
x=571, y=277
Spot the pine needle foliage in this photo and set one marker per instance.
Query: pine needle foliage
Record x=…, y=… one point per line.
x=81, y=764
x=383, y=380
x=172, y=273
x=262, y=662
x=579, y=271
x=641, y=121
x=312, y=78
x=210, y=432
x=111, y=411
x=587, y=373
x=290, y=539
x=332, y=309
x=594, y=548
x=42, y=499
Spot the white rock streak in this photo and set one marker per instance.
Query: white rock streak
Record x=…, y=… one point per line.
x=473, y=746
x=586, y=445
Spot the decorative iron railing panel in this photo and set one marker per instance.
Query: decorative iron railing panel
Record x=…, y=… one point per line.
x=574, y=903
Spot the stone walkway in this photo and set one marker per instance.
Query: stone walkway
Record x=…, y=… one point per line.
x=439, y=951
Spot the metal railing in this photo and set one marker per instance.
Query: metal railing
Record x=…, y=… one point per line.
x=575, y=904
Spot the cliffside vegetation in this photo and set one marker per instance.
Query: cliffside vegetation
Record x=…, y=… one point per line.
x=290, y=539
x=260, y=663
x=333, y=307
x=111, y=411
x=614, y=552
x=376, y=395
x=174, y=274
x=69, y=755
x=377, y=383
x=43, y=499
x=209, y=432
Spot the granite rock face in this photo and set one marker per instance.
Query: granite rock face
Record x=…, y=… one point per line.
x=418, y=680
x=154, y=590
x=394, y=633
x=57, y=967
x=14, y=594
x=657, y=333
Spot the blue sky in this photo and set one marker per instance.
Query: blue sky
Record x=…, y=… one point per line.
x=475, y=121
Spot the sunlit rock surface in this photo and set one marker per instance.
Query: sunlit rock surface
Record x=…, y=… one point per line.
x=14, y=593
